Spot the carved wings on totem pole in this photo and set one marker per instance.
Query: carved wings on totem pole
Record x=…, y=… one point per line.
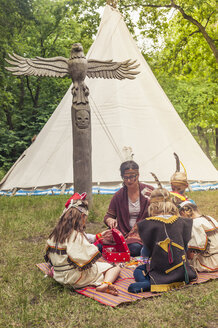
x=77, y=67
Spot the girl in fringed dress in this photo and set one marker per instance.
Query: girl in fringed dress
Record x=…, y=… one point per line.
x=72, y=257
x=203, y=245
x=165, y=235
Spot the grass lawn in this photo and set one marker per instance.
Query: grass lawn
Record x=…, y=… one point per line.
x=27, y=299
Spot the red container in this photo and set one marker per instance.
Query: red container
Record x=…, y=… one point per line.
x=118, y=252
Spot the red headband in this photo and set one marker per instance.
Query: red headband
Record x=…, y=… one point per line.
x=76, y=196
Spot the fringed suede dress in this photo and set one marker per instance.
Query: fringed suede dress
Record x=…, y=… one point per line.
x=74, y=261
x=204, y=242
x=167, y=237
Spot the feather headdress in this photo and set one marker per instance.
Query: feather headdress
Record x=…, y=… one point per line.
x=156, y=180
x=179, y=178
x=178, y=162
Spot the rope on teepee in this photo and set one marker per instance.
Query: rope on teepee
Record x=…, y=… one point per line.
x=106, y=129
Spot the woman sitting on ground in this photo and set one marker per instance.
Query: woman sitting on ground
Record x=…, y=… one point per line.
x=72, y=257
x=203, y=245
x=166, y=236
x=129, y=205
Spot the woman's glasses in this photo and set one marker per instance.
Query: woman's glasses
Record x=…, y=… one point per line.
x=130, y=177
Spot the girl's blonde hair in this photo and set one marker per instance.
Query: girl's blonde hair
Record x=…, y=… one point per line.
x=161, y=204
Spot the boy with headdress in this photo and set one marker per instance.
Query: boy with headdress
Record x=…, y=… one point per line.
x=179, y=183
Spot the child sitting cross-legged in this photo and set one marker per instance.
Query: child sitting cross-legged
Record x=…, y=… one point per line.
x=165, y=235
x=203, y=245
x=72, y=257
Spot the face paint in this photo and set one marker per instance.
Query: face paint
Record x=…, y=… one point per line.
x=130, y=177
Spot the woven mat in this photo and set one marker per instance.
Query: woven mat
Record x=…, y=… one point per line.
x=122, y=283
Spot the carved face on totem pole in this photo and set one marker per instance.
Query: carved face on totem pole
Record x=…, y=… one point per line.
x=82, y=119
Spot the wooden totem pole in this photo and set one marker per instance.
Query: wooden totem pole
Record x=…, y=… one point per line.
x=77, y=67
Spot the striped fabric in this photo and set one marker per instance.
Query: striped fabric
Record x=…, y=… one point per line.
x=122, y=283
x=107, y=190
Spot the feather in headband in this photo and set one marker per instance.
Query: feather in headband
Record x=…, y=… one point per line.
x=178, y=162
x=157, y=181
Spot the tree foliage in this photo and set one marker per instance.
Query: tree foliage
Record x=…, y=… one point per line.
x=200, y=16
x=45, y=28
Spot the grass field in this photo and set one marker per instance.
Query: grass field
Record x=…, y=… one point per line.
x=27, y=299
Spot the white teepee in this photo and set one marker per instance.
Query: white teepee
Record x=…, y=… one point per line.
x=128, y=114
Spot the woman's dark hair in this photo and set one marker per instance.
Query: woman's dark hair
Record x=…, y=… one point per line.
x=69, y=221
x=127, y=166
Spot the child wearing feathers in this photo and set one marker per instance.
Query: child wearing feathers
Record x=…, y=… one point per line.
x=179, y=183
x=72, y=257
x=165, y=235
x=203, y=245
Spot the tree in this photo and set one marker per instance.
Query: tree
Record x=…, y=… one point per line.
x=201, y=15
x=195, y=102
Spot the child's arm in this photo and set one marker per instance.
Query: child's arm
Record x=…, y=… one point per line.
x=91, y=238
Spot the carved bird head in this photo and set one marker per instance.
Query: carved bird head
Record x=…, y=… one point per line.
x=77, y=51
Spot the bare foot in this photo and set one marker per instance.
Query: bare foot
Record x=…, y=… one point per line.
x=105, y=288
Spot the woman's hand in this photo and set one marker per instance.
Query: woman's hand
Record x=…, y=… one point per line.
x=112, y=223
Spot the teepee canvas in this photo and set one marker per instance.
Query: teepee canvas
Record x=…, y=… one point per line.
x=128, y=113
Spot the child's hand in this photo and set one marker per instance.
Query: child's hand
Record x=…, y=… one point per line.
x=190, y=254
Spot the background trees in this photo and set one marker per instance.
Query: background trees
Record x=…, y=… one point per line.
x=182, y=54
x=32, y=28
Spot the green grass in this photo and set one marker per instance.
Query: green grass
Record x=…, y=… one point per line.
x=27, y=299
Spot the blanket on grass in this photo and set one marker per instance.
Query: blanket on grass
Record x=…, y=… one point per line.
x=122, y=284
